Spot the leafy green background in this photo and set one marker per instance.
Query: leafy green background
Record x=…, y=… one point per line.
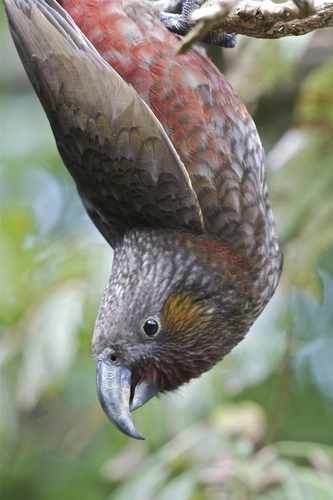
x=257, y=426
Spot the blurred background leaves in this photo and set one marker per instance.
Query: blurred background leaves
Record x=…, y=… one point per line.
x=259, y=425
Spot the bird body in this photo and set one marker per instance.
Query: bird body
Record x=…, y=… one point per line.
x=170, y=168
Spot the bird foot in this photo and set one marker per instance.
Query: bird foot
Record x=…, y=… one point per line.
x=179, y=23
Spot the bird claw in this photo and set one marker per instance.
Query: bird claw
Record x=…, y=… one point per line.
x=179, y=24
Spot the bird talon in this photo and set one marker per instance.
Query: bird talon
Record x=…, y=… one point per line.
x=180, y=24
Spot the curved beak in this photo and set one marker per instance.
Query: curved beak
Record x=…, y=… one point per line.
x=118, y=398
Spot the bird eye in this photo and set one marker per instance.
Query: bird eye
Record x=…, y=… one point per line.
x=150, y=327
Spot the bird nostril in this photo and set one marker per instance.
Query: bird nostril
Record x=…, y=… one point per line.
x=113, y=357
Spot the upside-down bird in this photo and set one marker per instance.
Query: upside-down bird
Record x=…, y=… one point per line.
x=170, y=168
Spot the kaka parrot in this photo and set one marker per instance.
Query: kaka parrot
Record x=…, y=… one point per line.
x=170, y=168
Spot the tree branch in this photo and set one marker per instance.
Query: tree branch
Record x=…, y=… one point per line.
x=259, y=18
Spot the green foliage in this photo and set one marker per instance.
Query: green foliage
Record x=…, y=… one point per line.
x=258, y=426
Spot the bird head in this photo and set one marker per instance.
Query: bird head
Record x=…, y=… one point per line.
x=175, y=304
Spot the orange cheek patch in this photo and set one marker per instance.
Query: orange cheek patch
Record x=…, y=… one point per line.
x=181, y=314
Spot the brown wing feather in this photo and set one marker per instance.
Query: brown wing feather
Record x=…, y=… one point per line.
x=125, y=167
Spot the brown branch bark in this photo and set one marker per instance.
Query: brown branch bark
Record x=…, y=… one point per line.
x=260, y=18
